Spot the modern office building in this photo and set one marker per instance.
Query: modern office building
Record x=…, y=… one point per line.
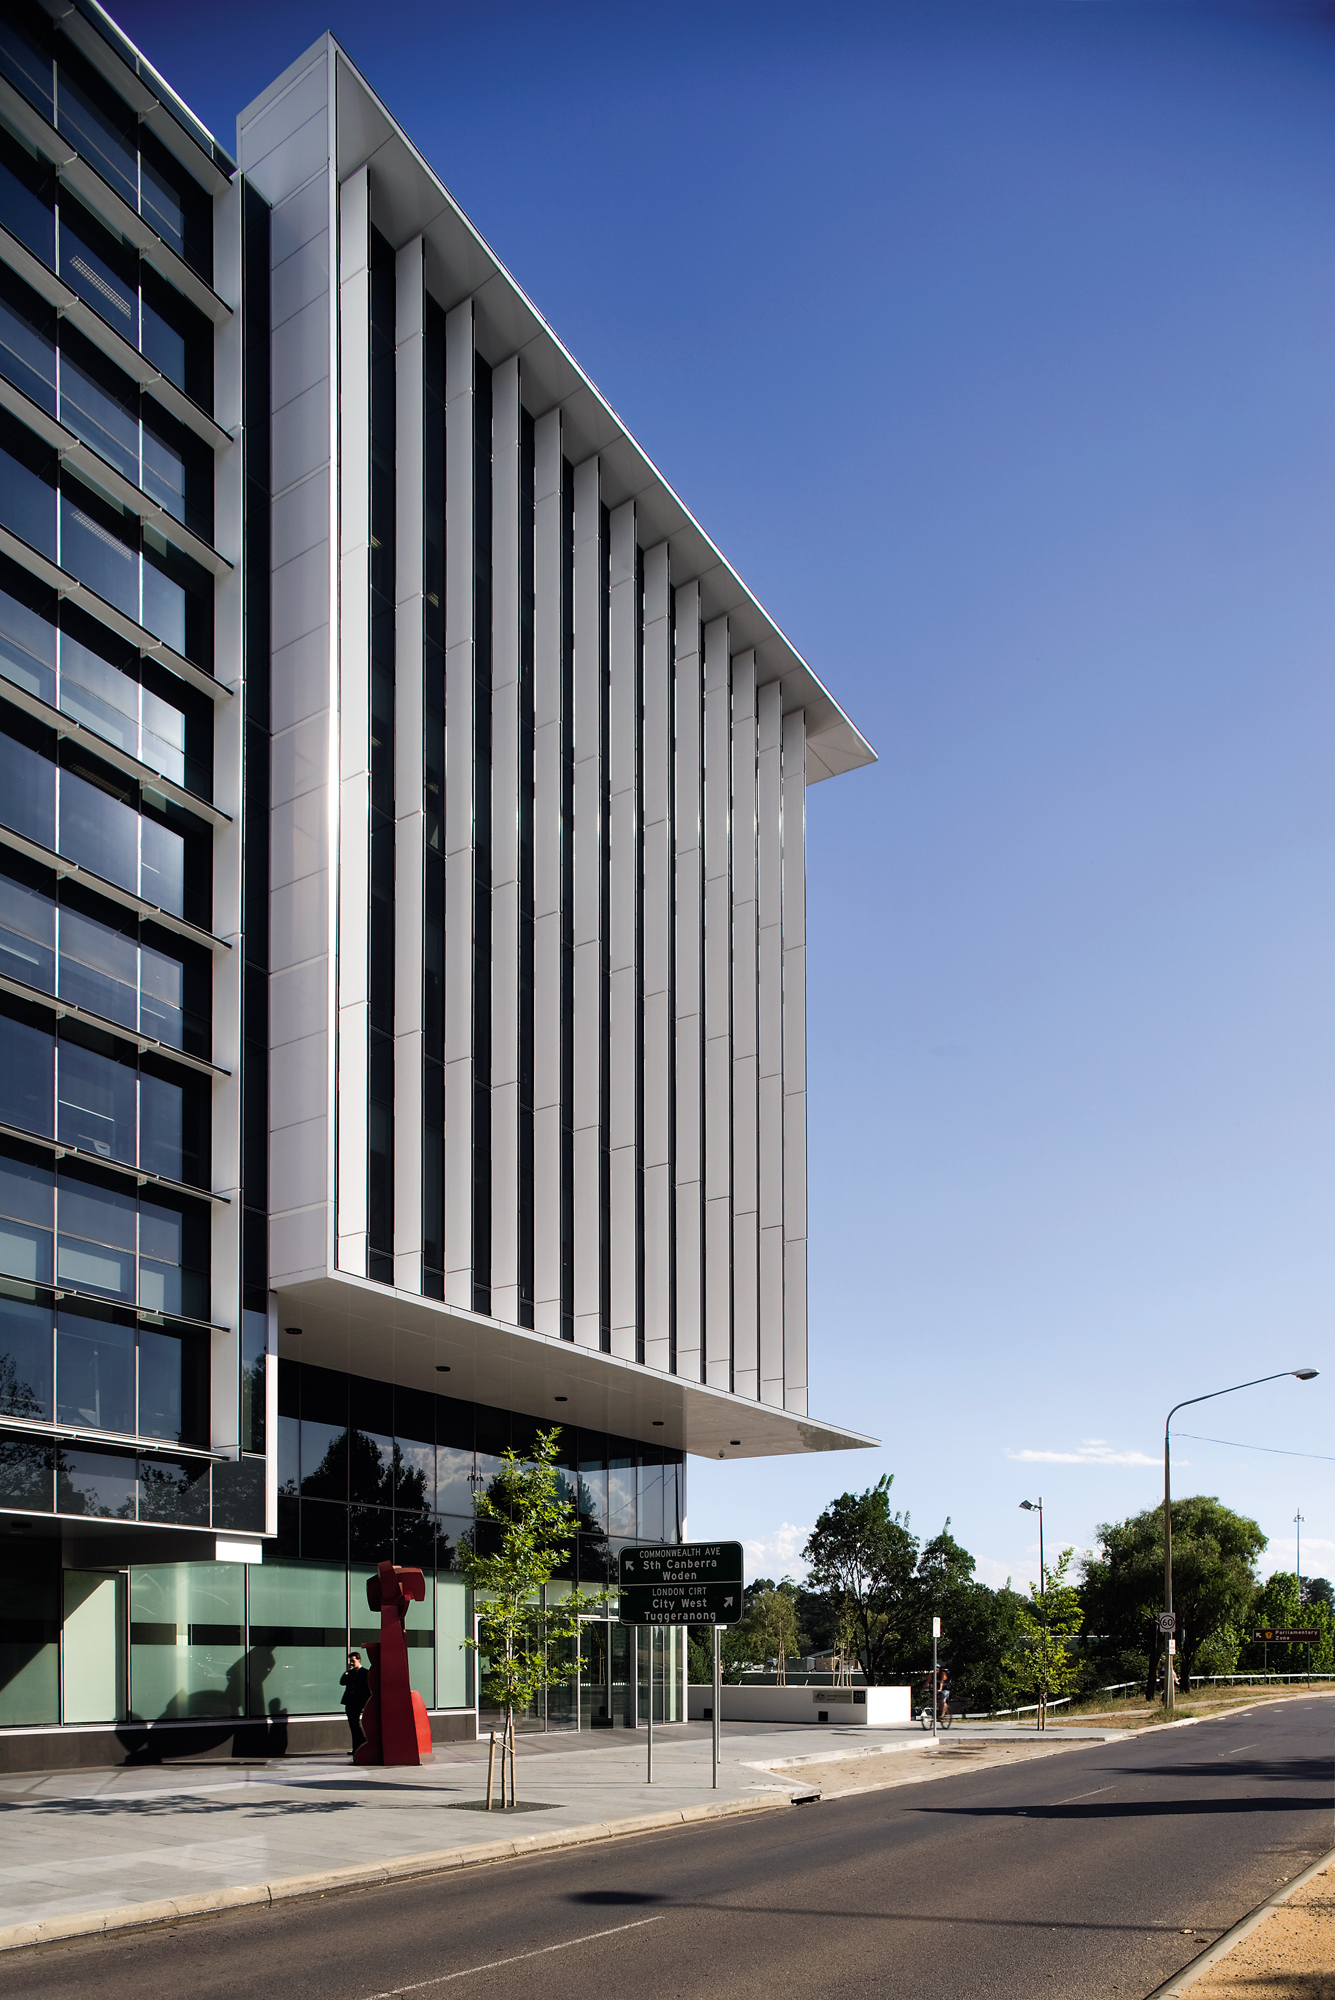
x=402, y=924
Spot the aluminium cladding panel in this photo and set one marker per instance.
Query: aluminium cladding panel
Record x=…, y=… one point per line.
x=718, y=1007
x=688, y=940
x=409, y=757
x=354, y=717
x=769, y=943
x=548, y=613
x=794, y=1064
x=505, y=494
x=460, y=416
x=228, y=725
x=285, y=145
x=587, y=834
x=623, y=720
x=657, y=968
x=745, y=1103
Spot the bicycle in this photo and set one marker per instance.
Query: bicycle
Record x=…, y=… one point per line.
x=944, y=1717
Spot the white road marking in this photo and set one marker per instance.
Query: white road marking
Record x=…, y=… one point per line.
x=1086, y=1795
x=1238, y=1749
x=493, y=1965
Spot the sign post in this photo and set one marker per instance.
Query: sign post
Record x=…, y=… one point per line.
x=682, y=1583
x=936, y=1634
x=718, y=1702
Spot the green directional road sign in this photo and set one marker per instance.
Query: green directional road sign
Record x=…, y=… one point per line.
x=682, y=1583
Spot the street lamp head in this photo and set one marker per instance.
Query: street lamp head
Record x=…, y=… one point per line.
x=1028, y=1506
x=1307, y=1374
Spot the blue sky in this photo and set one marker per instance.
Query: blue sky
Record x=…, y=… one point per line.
x=994, y=347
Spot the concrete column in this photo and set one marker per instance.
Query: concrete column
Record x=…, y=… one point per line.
x=769, y=911
x=623, y=735
x=794, y=1064
x=409, y=764
x=505, y=421
x=657, y=970
x=718, y=1006
x=459, y=826
x=745, y=1103
x=688, y=875
x=354, y=717
x=589, y=1025
x=547, y=838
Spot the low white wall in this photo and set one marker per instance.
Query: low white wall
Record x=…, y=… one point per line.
x=877, y=1708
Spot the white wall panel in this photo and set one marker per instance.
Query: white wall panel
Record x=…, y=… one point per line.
x=688, y=870
x=459, y=813
x=794, y=1063
x=769, y=906
x=354, y=715
x=623, y=906
x=589, y=1026
x=657, y=958
x=547, y=590
x=505, y=432
x=718, y=1006
x=409, y=760
x=745, y=1103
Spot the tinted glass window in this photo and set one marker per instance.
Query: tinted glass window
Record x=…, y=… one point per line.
x=100, y=404
x=27, y=488
x=101, y=267
x=27, y=341
x=100, y=124
x=27, y=196
x=94, y=1373
x=26, y=1051
x=25, y=1360
x=27, y=932
x=28, y=635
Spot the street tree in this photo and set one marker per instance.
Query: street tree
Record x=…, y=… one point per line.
x=864, y=1556
x=1042, y=1659
x=1215, y=1552
x=1282, y=1601
x=770, y=1629
x=522, y=1532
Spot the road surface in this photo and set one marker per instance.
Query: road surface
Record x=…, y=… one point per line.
x=1097, y=1873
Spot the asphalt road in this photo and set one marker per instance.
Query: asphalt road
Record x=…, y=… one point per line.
x=1096, y=1873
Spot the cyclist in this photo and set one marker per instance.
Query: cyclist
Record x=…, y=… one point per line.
x=943, y=1694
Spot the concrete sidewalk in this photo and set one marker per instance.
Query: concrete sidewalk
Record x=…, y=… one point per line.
x=86, y=1851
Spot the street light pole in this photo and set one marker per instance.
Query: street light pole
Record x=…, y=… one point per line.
x=1036, y=1507
x=1301, y=1375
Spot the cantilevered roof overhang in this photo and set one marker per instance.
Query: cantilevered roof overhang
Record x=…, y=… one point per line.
x=409, y=199
x=363, y=1328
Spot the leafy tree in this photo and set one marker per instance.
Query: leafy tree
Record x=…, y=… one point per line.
x=1280, y=1601
x=1214, y=1556
x=865, y=1557
x=1042, y=1659
x=522, y=1531
x=770, y=1628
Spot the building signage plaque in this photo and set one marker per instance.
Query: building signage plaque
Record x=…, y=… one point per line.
x=681, y=1583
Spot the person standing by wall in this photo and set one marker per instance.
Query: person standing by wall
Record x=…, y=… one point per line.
x=356, y=1686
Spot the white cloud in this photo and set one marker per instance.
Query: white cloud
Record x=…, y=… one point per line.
x=1094, y=1451
x=779, y=1554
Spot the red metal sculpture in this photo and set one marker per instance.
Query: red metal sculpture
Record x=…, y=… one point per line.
x=389, y=1722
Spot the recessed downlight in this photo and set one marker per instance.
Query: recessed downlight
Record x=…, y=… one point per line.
x=292, y=1332
x=563, y=1399
x=442, y=1368
x=658, y=1423
x=734, y=1440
